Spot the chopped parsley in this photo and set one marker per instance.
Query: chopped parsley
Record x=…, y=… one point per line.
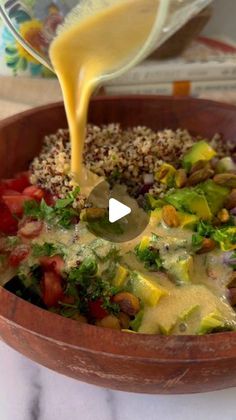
x=150, y=256
x=197, y=241
x=62, y=213
x=111, y=307
x=205, y=229
x=47, y=250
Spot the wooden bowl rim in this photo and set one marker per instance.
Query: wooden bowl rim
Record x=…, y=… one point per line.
x=15, y=311
x=154, y=98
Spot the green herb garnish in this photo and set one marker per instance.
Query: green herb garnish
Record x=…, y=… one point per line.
x=47, y=250
x=205, y=229
x=197, y=241
x=62, y=213
x=150, y=257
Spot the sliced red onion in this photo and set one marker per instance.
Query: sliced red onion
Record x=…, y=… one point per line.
x=144, y=189
x=148, y=179
x=233, y=211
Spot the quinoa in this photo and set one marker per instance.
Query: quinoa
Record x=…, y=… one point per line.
x=119, y=155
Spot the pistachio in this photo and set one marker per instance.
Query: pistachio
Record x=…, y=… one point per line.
x=223, y=215
x=170, y=216
x=200, y=164
x=216, y=222
x=180, y=178
x=128, y=303
x=124, y=320
x=207, y=246
x=165, y=174
x=231, y=201
x=110, y=321
x=80, y=318
x=226, y=179
x=232, y=281
x=200, y=176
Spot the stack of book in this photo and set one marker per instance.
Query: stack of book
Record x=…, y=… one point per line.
x=206, y=69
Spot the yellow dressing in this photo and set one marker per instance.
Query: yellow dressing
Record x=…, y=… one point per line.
x=89, y=47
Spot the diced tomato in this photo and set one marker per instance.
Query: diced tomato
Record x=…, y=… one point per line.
x=34, y=192
x=15, y=202
x=96, y=310
x=52, y=289
x=3, y=189
x=54, y=263
x=19, y=254
x=8, y=224
x=31, y=229
x=49, y=198
x=19, y=183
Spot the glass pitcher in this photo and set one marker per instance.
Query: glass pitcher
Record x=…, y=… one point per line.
x=34, y=23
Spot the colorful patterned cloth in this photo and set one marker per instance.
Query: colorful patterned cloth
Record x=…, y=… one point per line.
x=32, y=18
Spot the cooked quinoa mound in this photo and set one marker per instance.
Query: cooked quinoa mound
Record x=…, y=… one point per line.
x=120, y=155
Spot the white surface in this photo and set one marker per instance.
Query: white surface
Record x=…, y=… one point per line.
x=31, y=392
x=117, y=210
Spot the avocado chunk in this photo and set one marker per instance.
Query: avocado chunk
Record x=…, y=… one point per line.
x=147, y=289
x=215, y=194
x=178, y=303
x=120, y=277
x=226, y=237
x=188, y=221
x=188, y=200
x=180, y=267
x=154, y=203
x=199, y=151
x=211, y=322
x=156, y=216
x=187, y=322
x=144, y=244
x=165, y=174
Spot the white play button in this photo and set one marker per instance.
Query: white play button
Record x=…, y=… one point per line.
x=108, y=205
x=117, y=210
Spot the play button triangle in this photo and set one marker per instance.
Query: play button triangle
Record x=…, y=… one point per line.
x=117, y=210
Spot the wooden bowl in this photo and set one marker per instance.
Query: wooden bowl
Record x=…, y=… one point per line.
x=114, y=359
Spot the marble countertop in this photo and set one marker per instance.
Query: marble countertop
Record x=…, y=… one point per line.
x=31, y=392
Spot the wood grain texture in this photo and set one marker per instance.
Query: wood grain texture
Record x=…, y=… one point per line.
x=129, y=362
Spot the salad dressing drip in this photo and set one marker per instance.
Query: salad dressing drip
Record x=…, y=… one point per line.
x=88, y=47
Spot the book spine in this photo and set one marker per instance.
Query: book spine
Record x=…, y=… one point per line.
x=177, y=88
x=159, y=73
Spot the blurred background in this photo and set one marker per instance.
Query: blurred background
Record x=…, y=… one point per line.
x=199, y=61
x=223, y=19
